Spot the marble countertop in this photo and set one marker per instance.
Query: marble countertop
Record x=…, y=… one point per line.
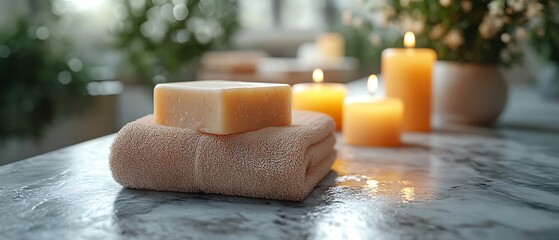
x=454, y=183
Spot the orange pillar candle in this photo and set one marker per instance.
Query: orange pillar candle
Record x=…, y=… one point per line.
x=322, y=97
x=370, y=121
x=407, y=76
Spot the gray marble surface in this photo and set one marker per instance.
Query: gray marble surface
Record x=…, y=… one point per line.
x=454, y=183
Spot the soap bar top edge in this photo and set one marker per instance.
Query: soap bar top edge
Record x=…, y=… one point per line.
x=218, y=85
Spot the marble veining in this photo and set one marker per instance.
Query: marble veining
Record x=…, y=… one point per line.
x=453, y=184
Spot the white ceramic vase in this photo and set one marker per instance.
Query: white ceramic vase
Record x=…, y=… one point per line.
x=468, y=93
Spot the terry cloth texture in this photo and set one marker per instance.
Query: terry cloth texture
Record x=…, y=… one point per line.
x=283, y=163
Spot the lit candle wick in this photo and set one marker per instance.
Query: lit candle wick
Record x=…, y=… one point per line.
x=372, y=84
x=409, y=40
x=317, y=75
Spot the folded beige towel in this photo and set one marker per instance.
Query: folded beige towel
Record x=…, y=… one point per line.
x=282, y=163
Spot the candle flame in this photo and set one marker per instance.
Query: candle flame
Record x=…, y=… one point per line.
x=317, y=75
x=409, y=40
x=372, y=84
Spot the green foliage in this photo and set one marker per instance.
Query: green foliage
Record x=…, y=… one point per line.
x=162, y=40
x=36, y=84
x=364, y=46
x=544, y=36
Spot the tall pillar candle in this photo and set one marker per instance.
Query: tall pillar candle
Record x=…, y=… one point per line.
x=407, y=75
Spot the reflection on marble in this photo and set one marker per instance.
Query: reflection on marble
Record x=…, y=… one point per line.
x=453, y=184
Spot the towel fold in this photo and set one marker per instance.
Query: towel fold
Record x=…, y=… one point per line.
x=282, y=163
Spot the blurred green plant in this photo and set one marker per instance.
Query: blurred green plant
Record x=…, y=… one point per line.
x=365, y=46
x=544, y=34
x=162, y=40
x=36, y=84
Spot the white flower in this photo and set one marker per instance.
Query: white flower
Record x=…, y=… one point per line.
x=521, y=34
x=466, y=5
x=405, y=21
x=517, y=5
x=496, y=7
x=445, y=3
x=381, y=18
x=347, y=16
x=453, y=39
x=357, y=22
x=485, y=31
x=505, y=37
x=490, y=25
x=418, y=26
x=437, y=31
x=375, y=39
x=404, y=3
x=388, y=11
x=410, y=24
x=534, y=9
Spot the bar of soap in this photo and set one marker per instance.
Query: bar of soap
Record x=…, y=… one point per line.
x=222, y=107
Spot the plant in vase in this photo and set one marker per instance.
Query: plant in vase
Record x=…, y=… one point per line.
x=544, y=38
x=472, y=39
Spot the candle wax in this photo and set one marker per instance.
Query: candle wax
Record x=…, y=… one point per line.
x=407, y=76
x=327, y=98
x=372, y=122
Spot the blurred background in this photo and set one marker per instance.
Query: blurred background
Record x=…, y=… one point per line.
x=73, y=70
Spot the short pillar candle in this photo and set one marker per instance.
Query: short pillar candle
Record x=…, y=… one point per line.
x=321, y=97
x=370, y=121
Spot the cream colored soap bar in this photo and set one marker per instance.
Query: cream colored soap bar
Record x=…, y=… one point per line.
x=222, y=107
